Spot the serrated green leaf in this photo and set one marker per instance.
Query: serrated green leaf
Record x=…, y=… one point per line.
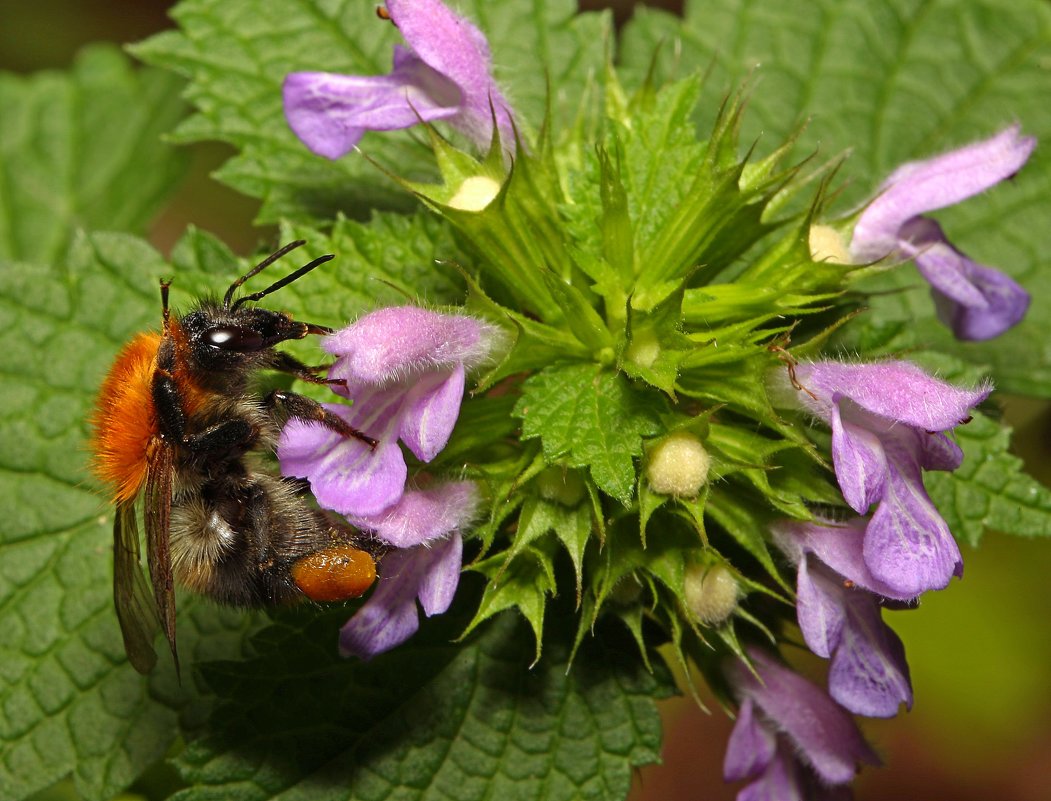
x=429, y=720
x=525, y=584
x=83, y=149
x=570, y=524
x=237, y=54
x=989, y=490
x=589, y=417
x=72, y=704
x=937, y=75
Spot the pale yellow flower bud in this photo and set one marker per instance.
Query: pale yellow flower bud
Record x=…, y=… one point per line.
x=711, y=593
x=678, y=465
x=826, y=244
x=561, y=486
x=475, y=193
x=643, y=350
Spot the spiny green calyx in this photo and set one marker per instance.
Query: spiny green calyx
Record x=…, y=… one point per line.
x=649, y=286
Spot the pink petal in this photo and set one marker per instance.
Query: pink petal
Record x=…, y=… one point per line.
x=869, y=674
x=938, y=452
x=840, y=546
x=330, y=113
x=345, y=474
x=908, y=546
x=826, y=737
x=895, y=390
x=820, y=609
x=421, y=516
x=443, y=576
x=751, y=745
x=780, y=781
x=430, y=411
x=392, y=343
x=976, y=301
x=857, y=455
x=921, y=186
x=457, y=49
x=389, y=617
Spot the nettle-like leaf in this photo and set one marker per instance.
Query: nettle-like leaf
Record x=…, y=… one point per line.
x=72, y=704
x=989, y=490
x=83, y=149
x=589, y=417
x=431, y=719
x=892, y=81
x=237, y=54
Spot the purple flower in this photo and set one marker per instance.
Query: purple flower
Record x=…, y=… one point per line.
x=444, y=74
x=789, y=733
x=425, y=526
x=888, y=422
x=838, y=607
x=977, y=302
x=404, y=368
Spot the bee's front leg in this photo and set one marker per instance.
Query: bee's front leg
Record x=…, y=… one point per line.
x=300, y=407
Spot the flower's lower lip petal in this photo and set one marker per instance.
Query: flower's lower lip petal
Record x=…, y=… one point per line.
x=824, y=733
x=389, y=616
x=778, y=782
x=345, y=474
x=750, y=748
x=869, y=674
x=945, y=270
x=1004, y=305
x=819, y=609
x=430, y=413
x=443, y=576
x=907, y=544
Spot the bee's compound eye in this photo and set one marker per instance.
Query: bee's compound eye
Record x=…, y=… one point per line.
x=334, y=574
x=233, y=337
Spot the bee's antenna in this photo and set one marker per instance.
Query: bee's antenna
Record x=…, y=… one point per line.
x=258, y=269
x=288, y=279
x=164, y=303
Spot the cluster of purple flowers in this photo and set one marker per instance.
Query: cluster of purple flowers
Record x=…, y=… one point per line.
x=405, y=369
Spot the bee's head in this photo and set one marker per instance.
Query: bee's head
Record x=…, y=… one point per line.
x=232, y=334
x=222, y=338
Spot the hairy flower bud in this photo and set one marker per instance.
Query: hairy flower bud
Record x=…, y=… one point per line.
x=711, y=593
x=678, y=465
x=475, y=193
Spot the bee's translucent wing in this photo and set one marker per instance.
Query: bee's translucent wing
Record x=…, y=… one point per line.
x=131, y=593
x=157, y=508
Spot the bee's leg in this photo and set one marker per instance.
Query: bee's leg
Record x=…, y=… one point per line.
x=303, y=408
x=291, y=365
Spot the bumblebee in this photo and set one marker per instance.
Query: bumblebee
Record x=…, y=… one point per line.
x=177, y=423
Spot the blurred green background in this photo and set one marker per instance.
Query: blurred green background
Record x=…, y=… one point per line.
x=980, y=652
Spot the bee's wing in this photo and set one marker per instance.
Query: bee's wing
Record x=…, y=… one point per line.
x=157, y=509
x=131, y=593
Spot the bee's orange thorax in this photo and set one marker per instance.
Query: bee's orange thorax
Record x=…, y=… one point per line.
x=125, y=419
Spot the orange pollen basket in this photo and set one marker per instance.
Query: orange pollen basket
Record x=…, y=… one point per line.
x=335, y=574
